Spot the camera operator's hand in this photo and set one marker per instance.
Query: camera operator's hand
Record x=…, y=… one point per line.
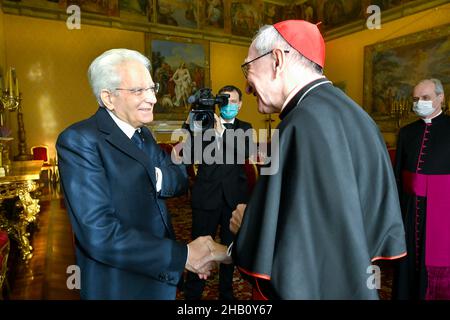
x=218, y=126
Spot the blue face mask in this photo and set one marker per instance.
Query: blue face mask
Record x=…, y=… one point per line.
x=229, y=111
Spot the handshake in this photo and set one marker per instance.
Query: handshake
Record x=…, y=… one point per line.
x=204, y=252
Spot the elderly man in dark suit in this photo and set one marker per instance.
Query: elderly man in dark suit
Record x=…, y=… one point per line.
x=115, y=179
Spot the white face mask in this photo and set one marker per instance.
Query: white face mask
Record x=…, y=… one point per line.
x=423, y=108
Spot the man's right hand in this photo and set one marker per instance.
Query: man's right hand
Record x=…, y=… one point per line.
x=204, y=254
x=199, y=251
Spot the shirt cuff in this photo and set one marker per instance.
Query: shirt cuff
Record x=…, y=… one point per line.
x=187, y=256
x=159, y=177
x=230, y=249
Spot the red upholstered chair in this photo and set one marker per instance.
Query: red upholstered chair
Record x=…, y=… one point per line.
x=41, y=153
x=4, y=251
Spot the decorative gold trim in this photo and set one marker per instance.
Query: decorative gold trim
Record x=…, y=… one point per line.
x=18, y=228
x=20, y=183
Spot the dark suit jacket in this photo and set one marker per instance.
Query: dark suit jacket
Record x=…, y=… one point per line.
x=124, y=238
x=214, y=181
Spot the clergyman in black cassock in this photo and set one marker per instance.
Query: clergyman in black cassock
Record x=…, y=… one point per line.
x=312, y=228
x=423, y=175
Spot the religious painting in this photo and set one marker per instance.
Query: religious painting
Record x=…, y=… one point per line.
x=392, y=68
x=292, y=11
x=273, y=13
x=108, y=7
x=220, y=19
x=181, y=67
x=213, y=14
x=335, y=13
x=179, y=13
x=246, y=17
x=45, y=4
x=136, y=9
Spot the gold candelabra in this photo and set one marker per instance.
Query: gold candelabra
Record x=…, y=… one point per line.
x=23, y=149
x=400, y=109
x=10, y=97
x=11, y=101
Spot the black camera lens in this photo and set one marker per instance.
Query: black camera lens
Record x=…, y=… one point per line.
x=202, y=120
x=203, y=103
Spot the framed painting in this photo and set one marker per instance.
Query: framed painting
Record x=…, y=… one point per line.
x=136, y=9
x=392, y=69
x=212, y=13
x=273, y=13
x=246, y=17
x=107, y=8
x=181, y=67
x=178, y=13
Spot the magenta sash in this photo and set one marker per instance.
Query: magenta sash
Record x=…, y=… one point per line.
x=436, y=188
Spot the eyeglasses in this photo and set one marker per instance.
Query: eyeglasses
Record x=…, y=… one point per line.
x=246, y=66
x=140, y=91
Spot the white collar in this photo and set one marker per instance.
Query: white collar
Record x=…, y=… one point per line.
x=127, y=128
x=293, y=92
x=222, y=120
x=297, y=88
x=429, y=120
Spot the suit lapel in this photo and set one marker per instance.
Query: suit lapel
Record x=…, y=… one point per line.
x=117, y=138
x=147, y=158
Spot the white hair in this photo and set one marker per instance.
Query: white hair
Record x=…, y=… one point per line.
x=103, y=73
x=438, y=88
x=268, y=38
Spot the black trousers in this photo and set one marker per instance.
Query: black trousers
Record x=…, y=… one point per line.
x=206, y=222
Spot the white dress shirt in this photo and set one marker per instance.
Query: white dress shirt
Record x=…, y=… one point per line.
x=129, y=130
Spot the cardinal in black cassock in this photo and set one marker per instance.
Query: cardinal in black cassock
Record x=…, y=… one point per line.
x=423, y=176
x=312, y=228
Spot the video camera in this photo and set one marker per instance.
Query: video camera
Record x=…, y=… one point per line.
x=203, y=104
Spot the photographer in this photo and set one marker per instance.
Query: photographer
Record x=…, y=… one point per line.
x=219, y=187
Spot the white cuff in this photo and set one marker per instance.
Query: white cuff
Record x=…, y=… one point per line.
x=230, y=249
x=159, y=177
